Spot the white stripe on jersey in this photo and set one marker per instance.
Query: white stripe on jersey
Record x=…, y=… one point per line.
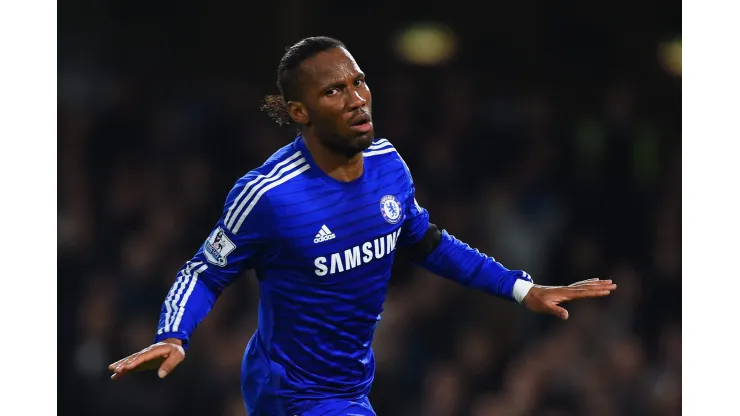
x=380, y=143
x=170, y=318
x=181, y=308
x=280, y=174
x=258, y=178
x=380, y=147
x=171, y=295
x=257, y=197
x=380, y=151
x=170, y=302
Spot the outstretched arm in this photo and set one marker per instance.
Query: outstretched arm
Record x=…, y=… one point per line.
x=446, y=256
x=237, y=243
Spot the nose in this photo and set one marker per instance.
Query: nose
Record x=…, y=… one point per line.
x=356, y=100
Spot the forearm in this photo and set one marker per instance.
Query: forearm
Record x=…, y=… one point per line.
x=188, y=302
x=457, y=261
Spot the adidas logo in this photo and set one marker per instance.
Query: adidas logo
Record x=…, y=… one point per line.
x=324, y=235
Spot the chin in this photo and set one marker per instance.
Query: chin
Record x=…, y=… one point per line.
x=357, y=143
x=364, y=141
x=352, y=143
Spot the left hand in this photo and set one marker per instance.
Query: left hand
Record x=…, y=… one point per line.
x=545, y=299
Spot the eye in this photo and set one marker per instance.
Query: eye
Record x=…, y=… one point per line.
x=359, y=82
x=332, y=91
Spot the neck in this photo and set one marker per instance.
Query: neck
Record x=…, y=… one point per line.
x=332, y=162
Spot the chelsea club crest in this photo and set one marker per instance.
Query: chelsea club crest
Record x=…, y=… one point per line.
x=390, y=207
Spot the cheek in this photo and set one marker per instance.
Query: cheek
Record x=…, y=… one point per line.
x=330, y=113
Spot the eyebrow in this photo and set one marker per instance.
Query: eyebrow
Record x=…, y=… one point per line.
x=337, y=83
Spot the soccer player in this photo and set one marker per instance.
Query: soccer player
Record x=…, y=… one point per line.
x=319, y=222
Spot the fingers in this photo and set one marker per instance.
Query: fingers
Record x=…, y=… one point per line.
x=590, y=291
x=591, y=282
x=114, y=365
x=170, y=363
x=587, y=289
x=144, y=357
x=123, y=366
x=125, y=359
x=148, y=358
x=118, y=366
x=559, y=312
x=595, y=279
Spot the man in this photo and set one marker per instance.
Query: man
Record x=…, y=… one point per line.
x=320, y=222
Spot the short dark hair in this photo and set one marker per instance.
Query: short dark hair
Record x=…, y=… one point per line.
x=287, y=75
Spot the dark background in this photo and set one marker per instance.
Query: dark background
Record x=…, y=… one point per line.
x=551, y=141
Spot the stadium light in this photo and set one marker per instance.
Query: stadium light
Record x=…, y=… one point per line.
x=669, y=54
x=425, y=43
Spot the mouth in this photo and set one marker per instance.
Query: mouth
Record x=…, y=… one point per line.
x=362, y=123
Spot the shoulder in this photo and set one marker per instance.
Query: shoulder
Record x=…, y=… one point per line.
x=285, y=164
x=380, y=147
x=384, y=151
x=285, y=160
x=249, y=198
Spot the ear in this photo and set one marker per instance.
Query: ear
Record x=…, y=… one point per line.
x=298, y=112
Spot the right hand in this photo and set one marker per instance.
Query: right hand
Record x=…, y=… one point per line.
x=165, y=355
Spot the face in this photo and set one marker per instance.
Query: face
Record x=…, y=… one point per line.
x=335, y=102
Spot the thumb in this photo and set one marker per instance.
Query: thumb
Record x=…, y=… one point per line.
x=170, y=363
x=559, y=312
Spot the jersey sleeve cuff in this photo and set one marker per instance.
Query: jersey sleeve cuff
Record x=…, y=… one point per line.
x=176, y=335
x=521, y=288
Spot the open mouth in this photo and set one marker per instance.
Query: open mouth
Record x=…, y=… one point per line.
x=361, y=123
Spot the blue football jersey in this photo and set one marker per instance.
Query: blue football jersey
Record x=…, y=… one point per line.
x=322, y=250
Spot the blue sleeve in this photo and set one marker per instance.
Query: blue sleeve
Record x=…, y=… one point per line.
x=416, y=219
x=455, y=260
x=238, y=242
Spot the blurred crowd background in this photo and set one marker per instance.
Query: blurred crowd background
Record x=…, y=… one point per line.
x=546, y=134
